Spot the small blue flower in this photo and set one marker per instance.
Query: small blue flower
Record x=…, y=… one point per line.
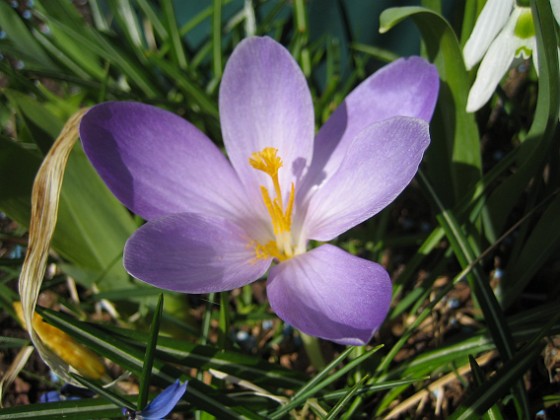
x=161, y=405
x=50, y=396
x=67, y=393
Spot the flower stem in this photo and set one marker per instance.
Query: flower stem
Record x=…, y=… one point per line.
x=313, y=350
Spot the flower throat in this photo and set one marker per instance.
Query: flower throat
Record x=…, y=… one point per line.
x=268, y=161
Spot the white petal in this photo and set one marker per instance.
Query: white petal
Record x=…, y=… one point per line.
x=491, y=20
x=495, y=64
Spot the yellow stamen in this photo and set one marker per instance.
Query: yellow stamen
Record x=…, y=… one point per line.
x=290, y=207
x=268, y=161
x=270, y=249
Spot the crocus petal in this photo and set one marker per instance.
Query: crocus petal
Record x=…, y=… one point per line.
x=379, y=164
x=491, y=20
x=407, y=87
x=495, y=64
x=162, y=405
x=331, y=294
x=157, y=163
x=265, y=102
x=192, y=253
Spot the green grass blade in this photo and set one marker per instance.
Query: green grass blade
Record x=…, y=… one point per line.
x=345, y=400
x=75, y=410
x=512, y=371
x=128, y=22
x=92, y=42
x=380, y=54
x=100, y=21
x=147, y=8
x=131, y=357
x=149, y=357
x=111, y=396
x=260, y=372
x=538, y=248
x=323, y=379
x=494, y=411
x=536, y=149
x=170, y=20
x=22, y=38
x=217, y=38
x=193, y=92
x=61, y=56
x=481, y=287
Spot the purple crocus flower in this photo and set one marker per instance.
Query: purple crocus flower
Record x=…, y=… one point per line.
x=214, y=225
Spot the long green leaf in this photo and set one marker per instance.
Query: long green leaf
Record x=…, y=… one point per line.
x=494, y=411
x=177, y=50
x=323, y=379
x=512, y=371
x=131, y=358
x=149, y=356
x=31, y=52
x=96, y=43
x=74, y=410
x=486, y=298
x=537, y=250
x=185, y=353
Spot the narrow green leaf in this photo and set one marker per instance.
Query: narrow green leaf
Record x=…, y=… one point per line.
x=96, y=43
x=486, y=298
x=131, y=357
x=345, y=400
x=12, y=342
x=247, y=367
x=37, y=113
x=323, y=379
x=128, y=19
x=18, y=167
x=537, y=249
x=494, y=411
x=31, y=50
x=170, y=21
x=104, y=392
x=366, y=389
x=512, y=371
x=66, y=60
x=193, y=92
x=217, y=38
x=223, y=320
x=536, y=149
x=98, y=16
x=301, y=49
x=378, y=53
x=75, y=410
x=153, y=18
x=149, y=356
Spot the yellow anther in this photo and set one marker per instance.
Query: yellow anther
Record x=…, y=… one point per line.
x=267, y=160
x=268, y=250
x=79, y=357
